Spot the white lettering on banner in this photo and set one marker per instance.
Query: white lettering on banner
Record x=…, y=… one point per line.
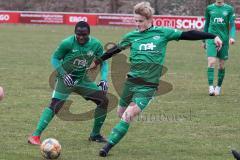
x=77, y=19
x=190, y=24
x=165, y=22
x=41, y=15
x=4, y=17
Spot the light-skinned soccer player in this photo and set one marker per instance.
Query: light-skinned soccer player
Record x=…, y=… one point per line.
x=220, y=20
x=70, y=60
x=147, y=54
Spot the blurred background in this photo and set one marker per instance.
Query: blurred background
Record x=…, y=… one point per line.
x=162, y=7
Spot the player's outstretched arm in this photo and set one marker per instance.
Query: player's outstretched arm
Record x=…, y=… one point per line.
x=198, y=35
x=108, y=54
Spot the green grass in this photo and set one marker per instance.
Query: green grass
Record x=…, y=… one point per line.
x=189, y=124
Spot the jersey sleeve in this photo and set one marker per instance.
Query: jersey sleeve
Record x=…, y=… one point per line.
x=99, y=50
x=232, y=15
x=104, y=64
x=172, y=34
x=58, y=55
x=125, y=42
x=232, y=31
x=61, y=50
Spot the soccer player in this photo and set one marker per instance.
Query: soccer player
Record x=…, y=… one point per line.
x=220, y=20
x=147, y=54
x=70, y=59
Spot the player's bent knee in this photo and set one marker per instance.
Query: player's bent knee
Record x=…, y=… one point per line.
x=131, y=112
x=56, y=105
x=211, y=61
x=120, y=111
x=99, y=99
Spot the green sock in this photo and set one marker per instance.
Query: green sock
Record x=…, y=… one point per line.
x=210, y=74
x=99, y=118
x=45, y=118
x=221, y=74
x=118, y=132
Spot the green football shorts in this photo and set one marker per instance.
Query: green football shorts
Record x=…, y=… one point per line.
x=212, y=50
x=139, y=94
x=83, y=88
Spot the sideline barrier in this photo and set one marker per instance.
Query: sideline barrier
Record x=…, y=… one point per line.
x=179, y=22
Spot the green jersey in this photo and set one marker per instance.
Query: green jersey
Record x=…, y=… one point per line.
x=147, y=51
x=218, y=19
x=75, y=58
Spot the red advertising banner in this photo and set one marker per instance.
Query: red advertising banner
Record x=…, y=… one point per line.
x=72, y=19
x=167, y=21
x=178, y=22
x=41, y=18
x=9, y=17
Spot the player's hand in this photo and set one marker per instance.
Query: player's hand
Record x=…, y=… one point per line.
x=68, y=80
x=231, y=41
x=218, y=43
x=104, y=85
x=203, y=45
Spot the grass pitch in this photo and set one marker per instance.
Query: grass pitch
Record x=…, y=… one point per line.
x=185, y=124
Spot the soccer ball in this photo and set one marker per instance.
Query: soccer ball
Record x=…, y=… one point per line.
x=50, y=148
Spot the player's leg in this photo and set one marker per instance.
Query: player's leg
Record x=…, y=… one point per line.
x=60, y=94
x=125, y=98
x=101, y=100
x=121, y=110
x=211, y=53
x=120, y=130
x=90, y=91
x=210, y=74
x=223, y=56
x=140, y=100
x=221, y=75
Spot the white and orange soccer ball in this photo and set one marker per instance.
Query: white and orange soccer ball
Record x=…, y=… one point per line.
x=50, y=148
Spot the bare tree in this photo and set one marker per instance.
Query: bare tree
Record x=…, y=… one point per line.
x=156, y=7
x=114, y=6
x=84, y=5
x=208, y=2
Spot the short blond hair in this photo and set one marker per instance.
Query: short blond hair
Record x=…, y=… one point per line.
x=144, y=9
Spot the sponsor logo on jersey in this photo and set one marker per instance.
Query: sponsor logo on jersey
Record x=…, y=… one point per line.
x=80, y=63
x=225, y=13
x=90, y=53
x=156, y=37
x=75, y=50
x=218, y=20
x=147, y=46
